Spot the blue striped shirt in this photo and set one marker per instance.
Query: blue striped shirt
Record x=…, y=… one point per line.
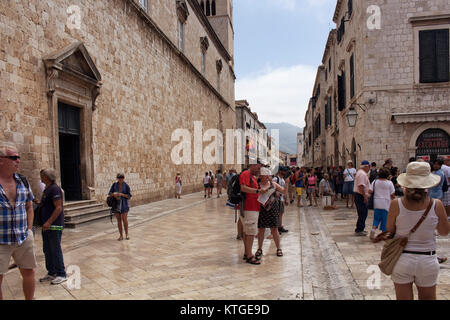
x=13, y=221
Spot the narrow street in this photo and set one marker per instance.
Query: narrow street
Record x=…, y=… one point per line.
x=187, y=249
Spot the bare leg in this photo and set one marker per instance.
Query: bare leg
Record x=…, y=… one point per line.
x=119, y=225
x=404, y=291
x=353, y=201
x=427, y=293
x=447, y=210
x=240, y=229
x=276, y=237
x=125, y=223
x=261, y=232
x=28, y=283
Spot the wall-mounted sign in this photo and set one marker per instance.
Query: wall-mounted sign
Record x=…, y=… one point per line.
x=433, y=142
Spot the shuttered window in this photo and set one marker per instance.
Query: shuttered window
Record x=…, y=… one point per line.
x=434, y=55
x=352, y=76
x=330, y=111
x=341, y=92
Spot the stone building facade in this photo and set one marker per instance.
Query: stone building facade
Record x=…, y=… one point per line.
x=255, y=138
x=93, y=88
x=389, y=63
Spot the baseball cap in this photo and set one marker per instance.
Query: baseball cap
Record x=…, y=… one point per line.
x=365, y=163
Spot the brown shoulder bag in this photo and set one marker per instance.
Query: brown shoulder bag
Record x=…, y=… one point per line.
x=393, y=248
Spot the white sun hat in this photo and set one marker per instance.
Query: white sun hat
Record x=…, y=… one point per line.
x=418, y=176
x=265, y=172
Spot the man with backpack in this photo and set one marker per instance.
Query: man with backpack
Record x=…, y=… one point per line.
x=250, y=190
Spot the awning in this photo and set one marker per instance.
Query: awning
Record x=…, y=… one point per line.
x=415, y=117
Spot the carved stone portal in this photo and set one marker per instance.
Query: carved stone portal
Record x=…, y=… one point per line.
x=73, y=79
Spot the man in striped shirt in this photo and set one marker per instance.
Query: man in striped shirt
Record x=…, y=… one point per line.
x=16, y=220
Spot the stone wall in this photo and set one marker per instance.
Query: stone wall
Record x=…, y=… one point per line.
x=148, y=91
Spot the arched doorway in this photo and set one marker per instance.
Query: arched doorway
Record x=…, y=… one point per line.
x=432, y=143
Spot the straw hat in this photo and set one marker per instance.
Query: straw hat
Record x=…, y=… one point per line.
x=418, y=175
x=265, y=172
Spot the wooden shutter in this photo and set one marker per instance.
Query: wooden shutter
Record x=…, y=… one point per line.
x=330, y=111
x=352, y=76
x=341, y=92
x=442, y=56
x=434, y=56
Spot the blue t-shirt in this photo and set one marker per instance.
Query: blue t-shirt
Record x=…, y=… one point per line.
x=51, y=193
x=437, y=192
x=300, y=182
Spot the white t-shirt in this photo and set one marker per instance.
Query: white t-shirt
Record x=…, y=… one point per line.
x=446, y=171
x=349, y=174
x=383, y=191
x=206, y=179
x=281, y=182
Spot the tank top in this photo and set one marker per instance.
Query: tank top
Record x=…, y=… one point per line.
x=424, y=238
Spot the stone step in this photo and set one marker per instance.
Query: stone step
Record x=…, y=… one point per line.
x=78, y=214
x=75, y=210
x=83, y=219
x=71, y=204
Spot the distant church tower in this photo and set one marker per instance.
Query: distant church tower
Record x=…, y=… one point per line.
x=220, y=16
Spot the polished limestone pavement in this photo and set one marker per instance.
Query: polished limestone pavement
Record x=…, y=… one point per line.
x=187, y=249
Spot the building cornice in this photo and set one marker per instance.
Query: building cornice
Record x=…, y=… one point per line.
x=337, y=11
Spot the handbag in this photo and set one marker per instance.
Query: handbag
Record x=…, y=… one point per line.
x=370, y=204
x=393, y=248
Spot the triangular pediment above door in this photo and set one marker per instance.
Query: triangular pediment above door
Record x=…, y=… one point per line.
x=76, y=61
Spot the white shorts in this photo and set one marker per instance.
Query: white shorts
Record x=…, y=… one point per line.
x=421, y=269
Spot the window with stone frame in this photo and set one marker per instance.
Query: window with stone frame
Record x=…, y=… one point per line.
x=219, y=66
x=182, y=13
x=213, y=7
x=204, y=44
x=434, y=56
x=143, y=4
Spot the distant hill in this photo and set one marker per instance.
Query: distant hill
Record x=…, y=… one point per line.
x=288, y=135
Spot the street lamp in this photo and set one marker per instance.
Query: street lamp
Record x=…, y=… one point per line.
x=352, y=115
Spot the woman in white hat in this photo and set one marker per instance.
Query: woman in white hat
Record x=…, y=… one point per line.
x=269, y=212
x=418, y=263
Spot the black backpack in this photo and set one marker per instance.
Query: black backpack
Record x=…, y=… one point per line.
x=234, y=190
x=445, y=185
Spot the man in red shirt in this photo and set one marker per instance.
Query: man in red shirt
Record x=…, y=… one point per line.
x=250, y=187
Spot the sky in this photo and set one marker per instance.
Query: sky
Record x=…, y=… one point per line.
x=279, y=45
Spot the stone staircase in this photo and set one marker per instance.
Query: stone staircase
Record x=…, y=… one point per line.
x=85, y=211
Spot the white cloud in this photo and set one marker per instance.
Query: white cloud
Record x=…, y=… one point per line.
x=279, y=95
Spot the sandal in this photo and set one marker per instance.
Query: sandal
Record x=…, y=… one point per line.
x=244, y=257
x=258, y=254
x=253, y=260
x=120, y=239
x=442, y=260
x=279, y=253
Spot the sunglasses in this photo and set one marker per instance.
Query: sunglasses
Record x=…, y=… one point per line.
x=13, y=158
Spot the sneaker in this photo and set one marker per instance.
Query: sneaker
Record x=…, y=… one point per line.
x=47, y=278
x=282, y=229
x=58, y=280
x=372, y=235
x=361, y=234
